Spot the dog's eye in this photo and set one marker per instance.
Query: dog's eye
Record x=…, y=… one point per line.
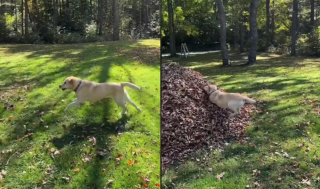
x=65, y=82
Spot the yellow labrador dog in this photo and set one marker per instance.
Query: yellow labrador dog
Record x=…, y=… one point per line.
x=233, y=101
x=93, y=92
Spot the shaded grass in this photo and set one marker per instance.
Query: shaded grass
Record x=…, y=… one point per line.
x=29, y=79
x=283, y=141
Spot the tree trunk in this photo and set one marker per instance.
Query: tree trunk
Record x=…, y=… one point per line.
x=223, y=34
x=100, y=8
x=22, y=7
x=60, y=12
x=273, y=25
x=294, y=26
x=116, y=20
x=253, y=31
x=241, y=33
x=140, y=25
x=171, y=29
x=26, y=19
x=91, y=13
x=55, y=12
x=312, y=15
x=268, y=22
x=16, y=11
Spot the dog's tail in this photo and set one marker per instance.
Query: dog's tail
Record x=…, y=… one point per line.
x=248, y=100
x=127, y=84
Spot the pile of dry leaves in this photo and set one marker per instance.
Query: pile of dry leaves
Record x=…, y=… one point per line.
x=189, y=120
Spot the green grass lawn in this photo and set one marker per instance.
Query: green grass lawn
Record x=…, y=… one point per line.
x=283, y=141
x=62, y=152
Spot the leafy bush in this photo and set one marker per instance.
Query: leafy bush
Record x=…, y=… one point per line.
x=309, y=44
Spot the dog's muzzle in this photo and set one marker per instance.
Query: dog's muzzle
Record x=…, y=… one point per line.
x=62, y=88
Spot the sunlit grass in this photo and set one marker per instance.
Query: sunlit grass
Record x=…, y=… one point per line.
x=29, y=80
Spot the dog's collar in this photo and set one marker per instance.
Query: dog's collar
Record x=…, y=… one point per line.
x=75, y=90
x=212, y=92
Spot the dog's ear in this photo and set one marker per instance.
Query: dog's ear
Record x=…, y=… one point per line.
x=70, y=79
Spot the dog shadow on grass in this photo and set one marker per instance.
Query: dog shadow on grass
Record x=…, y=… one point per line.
x=80, y=132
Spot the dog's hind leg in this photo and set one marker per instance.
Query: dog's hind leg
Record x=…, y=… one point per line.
x=132, y=103
x=122, y=104
x=235, y=106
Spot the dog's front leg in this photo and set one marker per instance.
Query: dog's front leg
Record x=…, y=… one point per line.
x=75, y=103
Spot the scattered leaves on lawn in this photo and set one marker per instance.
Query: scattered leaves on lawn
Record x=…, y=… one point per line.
x=256, y=185
x=67, y=178
x=306, y=181
x=3, y=173
x=93, y=140
x=10, y=118
x=76, y=169
x=219, y=176
x=144, y=179
x=255, y=172
x=130, y=162
x=145, y=185
x=157, y=185
x=110, y=182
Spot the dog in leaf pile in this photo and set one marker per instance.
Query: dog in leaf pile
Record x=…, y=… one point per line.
x=233, y=101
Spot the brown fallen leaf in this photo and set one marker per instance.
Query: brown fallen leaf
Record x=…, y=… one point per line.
x=93, y=140
x=306, y=181
x=110, y=182
x=219, y=176
x=130, y=162
x=256, y=185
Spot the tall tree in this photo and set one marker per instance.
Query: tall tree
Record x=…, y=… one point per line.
x=22, y=28
x=253, y=31
x=312, y=14
x=273, y=24
x=294, y=27
x=26, y=17
x=268, y=22
x=116, y=20
x=100, y=15
x=223, y=33
x=171, y=28
x=241, y=32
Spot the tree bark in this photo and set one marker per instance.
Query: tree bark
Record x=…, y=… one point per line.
x=16, y=11
x=273, y=25
x=171, y=28
x=22, y=7
x=241, y=33
x=268, y=22
x=26, y=19
x=253, y=31
x=100, y=8
x=312, y=15
x=294, y=26
x=116, y=21
x=223, y=34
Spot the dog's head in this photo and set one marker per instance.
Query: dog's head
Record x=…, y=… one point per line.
x=210, y=88
x=69, y=83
